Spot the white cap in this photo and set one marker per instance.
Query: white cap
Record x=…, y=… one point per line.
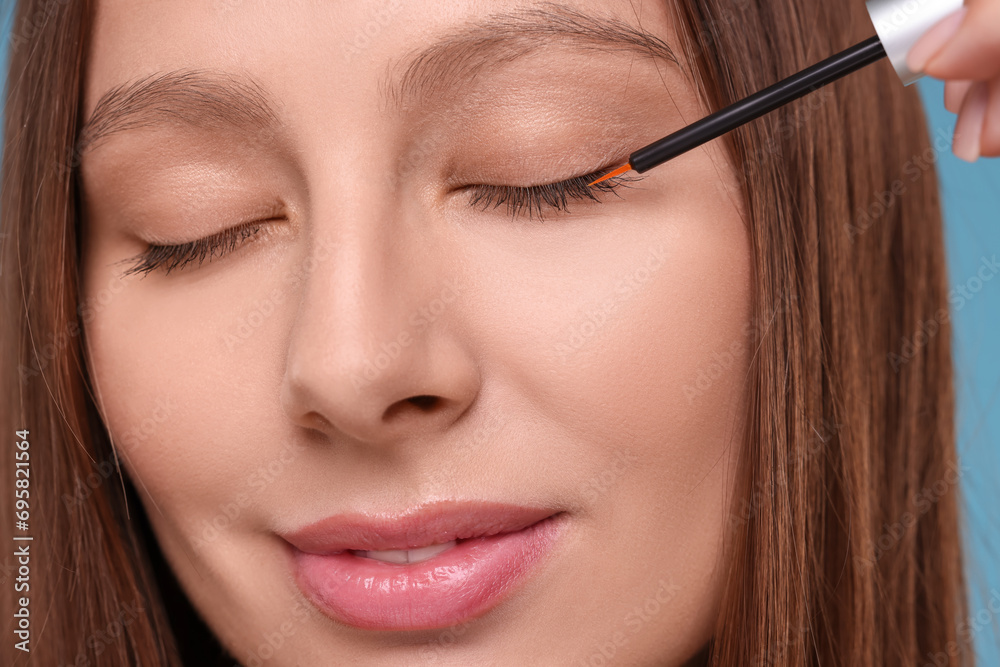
x=900, y=23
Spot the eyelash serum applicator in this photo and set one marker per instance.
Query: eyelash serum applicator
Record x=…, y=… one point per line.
x=898, y=24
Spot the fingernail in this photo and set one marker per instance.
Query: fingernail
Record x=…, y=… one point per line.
x=931, y=41
x=969, y=129
x=954, y=94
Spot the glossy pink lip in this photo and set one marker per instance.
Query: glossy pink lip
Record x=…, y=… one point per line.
x=498, y=544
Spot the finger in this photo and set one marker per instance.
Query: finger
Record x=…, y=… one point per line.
x=973, y=51
x=969, y=128
x=989, y=144
x=954, y=93
x=934, y=40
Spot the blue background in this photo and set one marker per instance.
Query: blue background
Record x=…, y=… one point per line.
x=972, y=226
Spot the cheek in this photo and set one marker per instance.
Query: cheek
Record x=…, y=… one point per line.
x=638, y=345
x=674, y=351
x=635, y=341
x=178, y=397
x=645, y=338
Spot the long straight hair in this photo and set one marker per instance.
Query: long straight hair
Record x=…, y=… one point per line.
x=92, y=598
x=843, y=546
x=847, y=549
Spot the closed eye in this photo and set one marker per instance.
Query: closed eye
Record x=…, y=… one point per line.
x=535, y=199
x=549, y=196
x=171, y=257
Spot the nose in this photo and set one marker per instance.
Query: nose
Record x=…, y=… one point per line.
x=374, y=353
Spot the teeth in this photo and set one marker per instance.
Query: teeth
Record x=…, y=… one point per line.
x=404, y=556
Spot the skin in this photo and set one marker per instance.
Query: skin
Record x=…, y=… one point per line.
x=234, y=433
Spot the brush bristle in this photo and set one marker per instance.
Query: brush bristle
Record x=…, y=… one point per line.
x=620, y=170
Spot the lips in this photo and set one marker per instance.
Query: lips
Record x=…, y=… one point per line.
x=432, y=524
x=423, y=582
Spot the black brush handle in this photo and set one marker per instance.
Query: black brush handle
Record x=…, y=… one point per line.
x=722, y=121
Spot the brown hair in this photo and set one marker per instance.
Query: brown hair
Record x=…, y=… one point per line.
x=841, y=443
x=838, y=561
x=91, y=595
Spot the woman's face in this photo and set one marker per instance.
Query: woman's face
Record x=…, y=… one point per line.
x=380, y=351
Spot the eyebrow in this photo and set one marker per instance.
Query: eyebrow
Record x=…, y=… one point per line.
x=207, y=99
x=215, y=100
x=504, y=37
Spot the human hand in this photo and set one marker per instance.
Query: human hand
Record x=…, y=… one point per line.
x=963, y=49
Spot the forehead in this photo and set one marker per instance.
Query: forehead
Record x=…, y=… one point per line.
x=357, y=51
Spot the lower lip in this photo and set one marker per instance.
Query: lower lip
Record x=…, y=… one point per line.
x=464, y=582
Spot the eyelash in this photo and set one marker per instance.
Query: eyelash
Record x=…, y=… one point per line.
x=555, y=195
x=171, y=257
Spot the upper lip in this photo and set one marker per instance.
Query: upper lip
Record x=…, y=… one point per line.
x=429, y=524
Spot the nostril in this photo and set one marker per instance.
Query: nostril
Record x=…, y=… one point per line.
x=423, y=402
